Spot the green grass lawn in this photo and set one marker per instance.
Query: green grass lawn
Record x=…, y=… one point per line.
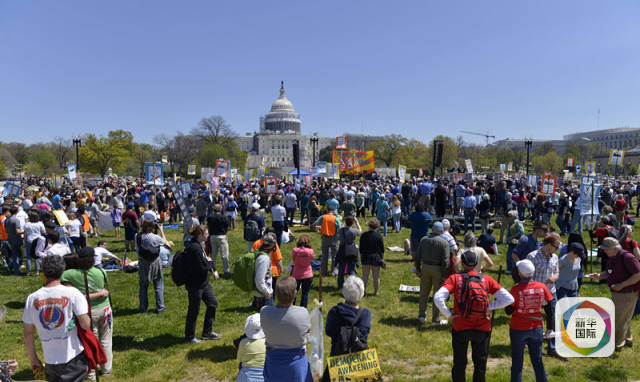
x=149, y=347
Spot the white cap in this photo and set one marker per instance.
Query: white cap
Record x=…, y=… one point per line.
x=252, y=327
x=526, y=267
x=255, y=206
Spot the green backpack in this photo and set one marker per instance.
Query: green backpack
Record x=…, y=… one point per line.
x=243, y=270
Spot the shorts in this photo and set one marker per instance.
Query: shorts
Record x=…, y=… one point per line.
x=415, y=243
x=116, y=225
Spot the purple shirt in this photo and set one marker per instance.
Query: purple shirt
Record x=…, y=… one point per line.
x=621, y=268
x=116, y=215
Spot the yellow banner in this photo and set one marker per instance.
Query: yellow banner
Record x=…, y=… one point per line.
x=616, y=157
x=354, y=162
x=357, y=367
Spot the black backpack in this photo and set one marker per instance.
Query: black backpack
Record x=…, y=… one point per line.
x=147, y=253
x=251, y=230
x=179, y=268
x=351, y=340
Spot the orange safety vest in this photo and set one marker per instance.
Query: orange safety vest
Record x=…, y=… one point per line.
x=3, y=233
x=328, y=227
x=86, y=224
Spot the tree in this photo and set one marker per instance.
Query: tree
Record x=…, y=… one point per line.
x=386, y=149
x=43, y=157
x=181, y=150
x=550, y=162
x=544, y=148
x=214, y=129
x=143, y=153
x=98, y=154
x=326, y=154
x=62, y=149
x=414, y=154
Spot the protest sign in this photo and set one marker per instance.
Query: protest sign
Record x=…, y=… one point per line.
x=420, y=172
x=341, y=143
x=182, y=204
x=165, y=159
x=578, y=169
x=548, y=184
x=270, y=185
x=591, y=167
x=510, y=166
x=589, y=192
x=503, y=167
x=71, y=170
x=360, y=366
x=467, y=163
x=616, y=157
x=154, y=173
x=11, y=189
x=402, y=172
x=570, y=162
x=191, y=169
x=333, y=171
x=222, y=169
x=62, y=218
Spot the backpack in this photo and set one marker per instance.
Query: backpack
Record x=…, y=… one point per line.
x=348, y=247
x=243, y=270
x=251, y=230
x=612, y=232
x=179, y=268
x=474, y=299
x=350, y=339
x=146, y=253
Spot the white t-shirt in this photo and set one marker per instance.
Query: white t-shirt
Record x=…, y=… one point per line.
x=74, y=228
x=51, y=311
x=58, y=249
x=100, y=253
x=33, y=230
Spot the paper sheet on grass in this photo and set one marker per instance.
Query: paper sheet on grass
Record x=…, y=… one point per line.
x=395, y=249
x=409, y=288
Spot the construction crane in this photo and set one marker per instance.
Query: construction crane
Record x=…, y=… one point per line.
x=487, y=135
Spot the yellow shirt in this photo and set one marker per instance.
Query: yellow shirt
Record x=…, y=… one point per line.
x=251, y=353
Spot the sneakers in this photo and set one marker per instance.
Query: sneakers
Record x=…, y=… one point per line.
x=193, y=340
x=549, y=335
x=211, y=336
x=335, y=272
x=438, y=323
x=422, y=320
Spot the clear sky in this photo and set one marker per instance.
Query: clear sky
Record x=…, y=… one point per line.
x=419, y=68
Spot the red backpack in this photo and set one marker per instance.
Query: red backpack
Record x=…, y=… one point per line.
x=474, y=297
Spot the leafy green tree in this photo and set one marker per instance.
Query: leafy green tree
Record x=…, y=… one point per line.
x=43, y=157
x=550, y=162
x=98, y=154
x=387, y=149
x=326, y=154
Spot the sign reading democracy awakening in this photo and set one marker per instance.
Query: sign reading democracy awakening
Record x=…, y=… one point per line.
x=360, y=366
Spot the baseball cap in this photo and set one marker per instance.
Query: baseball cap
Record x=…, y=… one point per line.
x=526, y=267
x=469, y=258
x=255, y=206
x=252, y=327
x=437, y=227
x=269, y=239
x=609, y=243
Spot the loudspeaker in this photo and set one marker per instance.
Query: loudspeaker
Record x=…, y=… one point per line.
x=296, y=154
x=438, y=148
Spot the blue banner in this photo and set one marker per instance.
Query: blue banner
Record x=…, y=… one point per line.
x=154, y=173
x=11, y=189
x=71, y=169
x=589, y=192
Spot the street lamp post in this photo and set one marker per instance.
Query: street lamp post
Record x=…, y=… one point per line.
x=314, y=144
x=77, y=142
x=527, y=143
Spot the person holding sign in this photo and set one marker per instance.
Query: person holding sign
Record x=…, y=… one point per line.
x=350, y=315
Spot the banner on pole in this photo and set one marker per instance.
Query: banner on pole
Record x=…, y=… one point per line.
x=191, y=169
x=402, y=172
x=503, y=167
x=467, y=163
x=165, y=159
x=616, y=157
x=420, y=173
x=341, y=143
x=11, y=189
x=570, y=162
x=510, y=166
x=354, y=162
x=360, y=366
x=591, y=168
x=333, y=171
x=154, y=173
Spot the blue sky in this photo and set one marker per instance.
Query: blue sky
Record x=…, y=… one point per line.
x=419, y=68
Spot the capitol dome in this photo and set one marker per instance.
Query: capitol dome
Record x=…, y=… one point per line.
x=282, y=118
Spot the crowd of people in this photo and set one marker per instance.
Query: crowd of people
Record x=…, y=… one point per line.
x=48, y=227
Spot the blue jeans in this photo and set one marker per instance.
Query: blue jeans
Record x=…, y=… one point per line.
x=16, y=256
x=383, y=221
x=469, y=218
x=158, y=286
x=165, y=256
x=30, y=248
x=564, y=292
x=351, y=270
x=576, y=223
x=396, y=222
x=521, y=210
x=533, y=339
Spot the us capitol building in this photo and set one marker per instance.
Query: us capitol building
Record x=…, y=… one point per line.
x=272, y=145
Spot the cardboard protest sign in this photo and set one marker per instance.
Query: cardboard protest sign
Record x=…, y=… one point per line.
x=191, y=169
x=616, y=157
x=333, y=171
x=402, y=172
x=467, y=163
x=222, y=169
x=548, y=184
x=71, y=170
x=154, y=173
x=341, y=143
x=360, y=366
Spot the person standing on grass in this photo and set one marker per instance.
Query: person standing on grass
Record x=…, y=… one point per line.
x=372, y=255
x=525, y=328
x=149, y=246
x=262, y=275
x=116, y=219
x=432, y=266
x=100, y=304
x=347, y=255
x=286, y=327
x=32, y=230
x=329, y=224
x=51, y=311
x=73, y=230
x=14, y=239
x=470, y=324
x=231, y=211
x=570, y=266
x=259, y=220
x=197, y=267
x=302, y=255
x=547, y=272
x=419, y=220
x=218, y=226
x=290, y=202
x=130, y=222
x=274, y=253
x=278, y=218
x=527, y=244
x=623, y=277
